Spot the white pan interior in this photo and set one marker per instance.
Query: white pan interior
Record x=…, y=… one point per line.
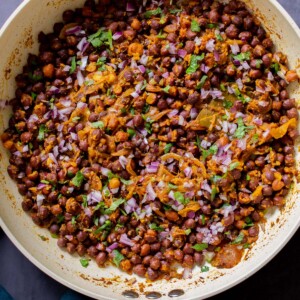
x=18, y=38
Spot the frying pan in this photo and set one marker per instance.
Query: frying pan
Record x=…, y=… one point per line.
x=18, y=37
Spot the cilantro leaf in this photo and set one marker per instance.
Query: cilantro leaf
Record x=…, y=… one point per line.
x=100, y=38
x=275, y=67
x=227, y=104
x=42, y=131
x=73, y=65
x=126, y=182
x=175, y=11
x=195, y=26
x=98, y=124
x=198, y=142
x=131, y=132
x=201, y=83
x=114, y=206
x=78, y=179
x=180, y=198
x=117, y=257
x=188, y=231
x=194, y=63
x=153, y=12
x=238, y=239
x=166, y=89
x=242, y=129
x=105, y=226
x=200, y=247
x=233, y=165
x=153, y=226
x=84, y=262
x=214, y=192
x=219, y=37
x=211, y=151
x=204, y=269
x=172, y=186
x=84, y=203
x=242, y=56
x=167, y=148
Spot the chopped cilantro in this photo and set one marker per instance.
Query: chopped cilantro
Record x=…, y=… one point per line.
x=43, y=238
x=248, y=177
x=161, y=35
x=172, y=186
x=198, y=142
x=89, y=82
x=98, y=124
x=275, y=67
x=53, y=235
x=146, y=108
x=73, y=65
x=105, y=226
x=123, y=110
x=200, y=247
x=114, y=206
x=166, y=89
x=60, y=219
x=132, y=110
x=211, y=151
x=84, y=203
x=227, y=104
x=153, y=12
x=255, y=138
x=246, y=246
x=214, y=192
x=238, y=239
x=117, y=257
x=202, y=81
x=126, y=182
x=180, y=198
x=249, y=222
x=242, y=56
x=188, y=231
x=131, y=132
x=175, y=11
x=73, y=221
x=242, y=129
x=240, y=96
x=75, y=119
x=167, y=148
x=215, y=178
x=195, y=26
x=33, y=95
x=204, y=269
x=153, y=226
x=100, y=38
x=258, y=63
x=84, y=262
x=194, y=63
x=234, y=165
x=45, y=181
x=42, y=131
x=210, y=26
x=219, y=37
x=203, y=219
x=78, y=179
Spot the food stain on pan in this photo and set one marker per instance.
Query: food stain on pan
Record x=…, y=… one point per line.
x=56, y=3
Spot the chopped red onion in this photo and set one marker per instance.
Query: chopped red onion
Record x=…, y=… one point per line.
x=123, y=161
x=51, y=156
x=112, y=247
x=81, y=105
x=53, y=90
x=69, y=237
x=114, y=191
x=66, y=69
x=188, y=172
x=142, y=69
x=187, y=273
x=117, y=35
x=235, y=49
x=210, y=45
x=105, y=171
x=171, y=195
x=172, y=48
x=165, y=75
x=242, y=144
x=189, y=194
x=122, y=64
x=193, y=113
x=125, y=240
x=257, y=121
x=80, y=78
x=245, y=190
x=205, y=186
x=87, y=211
x=204, y=93
x=216, y=94
x=153, y=167
x=191, y=214
x=172, y=113
x=25, y=148
x=182, y=53
x=239, y=115
x=161, y=185
x=84, y=61
x=151, y=195
x=216, y=55
x=181, y=120
x=204, y=68
x=230, y=90
x=270, y=76
x=144, y=59
x=39, y=199
x=198, y=41
x=73, y=30
x=83, y=45
x=239, y=83
x=129, y=7
x=245, y=65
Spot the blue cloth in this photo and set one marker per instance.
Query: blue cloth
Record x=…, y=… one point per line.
x=4, y=295
x=71, y=295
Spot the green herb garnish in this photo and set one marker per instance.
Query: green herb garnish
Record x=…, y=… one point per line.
x=233, y=166
x=153, y=12
x=78, y=179
x=98, y=124
x=242, y=129
x=42, y=131
x=73, y=65
x=195, y=27
x=117, y=257
x=153, y=226
x=167, y=148
x=100, y=38
x=200, y=247
x=195, y=59
x=202, y=81
x=84, y=262
x=114, y=206
x=238, y=239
